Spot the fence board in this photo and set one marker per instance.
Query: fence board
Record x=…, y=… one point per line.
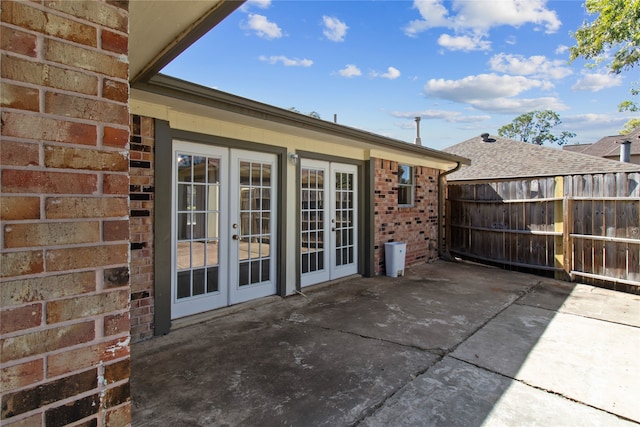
x=620, y=262
x=597, y=216
x=621, y=184
x=587, y=189
x=513, y=222
x=609, y=189
x=633, y=185
x=633, y=220
x=579, y=228
x=609, y=224
x=634, y=263
x=598, y=180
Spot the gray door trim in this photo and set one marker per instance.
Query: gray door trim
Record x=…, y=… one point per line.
x=162, y=212
x=162, y=229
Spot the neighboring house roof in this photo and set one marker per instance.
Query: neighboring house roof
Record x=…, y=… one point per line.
x=499, y=158
x=608, y=146
x=576, y=148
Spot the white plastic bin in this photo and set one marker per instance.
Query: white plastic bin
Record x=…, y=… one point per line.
x=394, y=253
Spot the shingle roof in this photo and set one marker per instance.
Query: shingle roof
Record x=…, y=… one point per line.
x=609, y=146
x=499, y=158
x=577, y=148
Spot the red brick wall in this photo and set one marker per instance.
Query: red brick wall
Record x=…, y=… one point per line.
x=141, y=226
x=417, y=225
x=64, y=245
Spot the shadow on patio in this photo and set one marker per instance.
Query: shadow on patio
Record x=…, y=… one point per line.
x=447, y=344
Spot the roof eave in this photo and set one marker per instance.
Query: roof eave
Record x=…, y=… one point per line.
x=198, y=28
x=181, y=89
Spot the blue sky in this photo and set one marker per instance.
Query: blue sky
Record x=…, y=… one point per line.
x=464, y=67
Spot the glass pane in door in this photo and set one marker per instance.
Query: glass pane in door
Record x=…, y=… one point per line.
x=197, y=223
x=344, y=214
x=255, y=228
x=312, y=218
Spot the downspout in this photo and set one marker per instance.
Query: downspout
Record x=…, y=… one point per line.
x=443, y=250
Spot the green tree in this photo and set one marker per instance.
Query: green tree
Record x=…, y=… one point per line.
x=313, y=114
x=613, y=37
x=535, y=127
x=615, y=30
x=630, y=126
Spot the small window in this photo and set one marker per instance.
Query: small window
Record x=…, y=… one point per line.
x=405, y=185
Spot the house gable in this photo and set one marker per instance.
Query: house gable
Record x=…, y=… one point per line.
x=609, y=146
x=499, y=158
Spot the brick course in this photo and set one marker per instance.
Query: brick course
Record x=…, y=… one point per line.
x=416, y=225
x=64, y=238
x=141, y=226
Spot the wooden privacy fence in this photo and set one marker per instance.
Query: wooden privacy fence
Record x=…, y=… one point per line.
x=584, y=227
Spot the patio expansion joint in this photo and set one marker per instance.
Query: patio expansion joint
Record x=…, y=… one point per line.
x=583, y=316
x=442, y=354
x=521, y=294
x=545, y=390
x=374, y=408
x=436, y=351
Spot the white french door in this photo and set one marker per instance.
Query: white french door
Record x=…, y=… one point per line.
x=223, y=227
x=253, y=226
x=328, y=221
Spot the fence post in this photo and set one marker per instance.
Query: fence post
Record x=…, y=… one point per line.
x=559, y=226
x=566, y=236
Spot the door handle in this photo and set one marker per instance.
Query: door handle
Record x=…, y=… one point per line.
x=333, y=229
x=235, y=237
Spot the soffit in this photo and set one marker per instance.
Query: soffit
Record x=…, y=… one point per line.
x=163, y=106
x=159, y=30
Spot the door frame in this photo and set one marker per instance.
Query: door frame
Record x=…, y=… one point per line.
x=219, y=298
x=331, y=270
x=365, y=226
x=238, y=294
x=162, y=213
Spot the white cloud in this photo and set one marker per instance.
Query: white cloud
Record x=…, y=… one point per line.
x=464, y=43
x=287, y=62
x=480, y=87
x=593, y=121
x=448, y=116
x=263, y=28
x=261, y=4
x=537, y=66
x=595, y=82
x=391, y=74
x=493, y=93
x=334, y=29
x=512, y=40
x=350, y=71
x=561, y=49
x=519, y=105
x=433, y=13
x=475, y=18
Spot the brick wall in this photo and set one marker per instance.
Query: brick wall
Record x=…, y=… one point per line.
x=64, y=245
x=417, y=225
x=141, y=226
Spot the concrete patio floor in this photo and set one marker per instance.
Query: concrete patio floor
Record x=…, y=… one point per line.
x=448, y=344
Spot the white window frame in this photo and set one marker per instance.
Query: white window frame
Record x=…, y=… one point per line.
x=411, y=185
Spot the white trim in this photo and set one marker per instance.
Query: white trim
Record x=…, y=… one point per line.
x=204, y=302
